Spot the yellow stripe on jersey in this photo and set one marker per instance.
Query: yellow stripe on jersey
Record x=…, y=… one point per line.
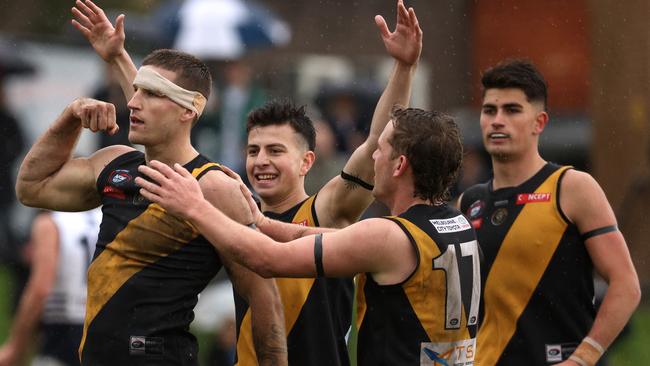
x=245, y=351
x=197, y=171
x=361, y=298
x=519, y=269
x=124, y=256
x=427, y=290
x=293, y=292
x=304, y=216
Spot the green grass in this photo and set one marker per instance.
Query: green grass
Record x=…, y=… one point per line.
x=6, y=283
x=632, y=348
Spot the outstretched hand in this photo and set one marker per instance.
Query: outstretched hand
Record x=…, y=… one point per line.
x=405, y=43
x=91, y=21
x=258, y=216
x=175, y=190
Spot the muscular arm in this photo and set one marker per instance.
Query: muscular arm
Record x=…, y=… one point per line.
x=376, y=246
x=340, y=202
x=585, y=204
x=44, y=239
x=267, y=314
x=50, y=178
x=108, y=41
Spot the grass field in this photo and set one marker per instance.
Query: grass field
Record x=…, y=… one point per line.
x=5, y=301
x=632, y=350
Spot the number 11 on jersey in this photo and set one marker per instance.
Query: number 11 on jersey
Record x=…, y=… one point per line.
x=460, y=286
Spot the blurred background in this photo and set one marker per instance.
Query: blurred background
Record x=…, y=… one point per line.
x=595, y=55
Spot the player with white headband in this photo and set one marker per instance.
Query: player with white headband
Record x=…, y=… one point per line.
x=149, y=266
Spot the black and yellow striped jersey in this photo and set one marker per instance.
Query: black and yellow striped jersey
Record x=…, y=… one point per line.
x=431, y=318
x=538, y=285
x=317, y=312
x=148, y=268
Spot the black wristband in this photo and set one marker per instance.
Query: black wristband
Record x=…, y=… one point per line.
x=599, y=231
x=318, y=255
x=356, y=180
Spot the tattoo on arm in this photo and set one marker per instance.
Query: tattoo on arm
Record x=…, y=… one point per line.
x=353, y=182
x=271, y=348
x=350, y=185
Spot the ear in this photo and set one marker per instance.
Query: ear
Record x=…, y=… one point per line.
x=308, y=159
x=188, y=116
x=401, y=167
x=540, y=122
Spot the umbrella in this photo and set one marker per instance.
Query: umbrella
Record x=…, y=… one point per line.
x=226, y=29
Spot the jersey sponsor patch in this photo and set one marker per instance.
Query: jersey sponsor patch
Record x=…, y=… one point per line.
x=448, y=354
x=451, y=225
x=304, y=222
x=559, y=352
x=524, y=198
x=140, y=345
x=476, y=224
x=114, y=192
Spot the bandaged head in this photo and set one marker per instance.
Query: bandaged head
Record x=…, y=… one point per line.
x=147, y=78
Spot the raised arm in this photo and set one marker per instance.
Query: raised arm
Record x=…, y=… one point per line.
x=261, y=294
x=586, y=205
x=50, y=178
x=108, y=41
x=44, y=240
x=376, y=246
x=342, y=201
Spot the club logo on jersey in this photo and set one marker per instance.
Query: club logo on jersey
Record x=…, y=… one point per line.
x=447, y=354
x=114, y=192
x=120, y=177
x=451, y=225
x=499, y=216
x=524, y=198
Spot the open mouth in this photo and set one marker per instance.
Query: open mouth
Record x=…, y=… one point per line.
x=136, y=121
x=263, y=178
x=498, y=136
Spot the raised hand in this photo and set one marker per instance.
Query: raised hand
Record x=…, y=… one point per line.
x=90, y=20
x=95, y=115
x=405, y=43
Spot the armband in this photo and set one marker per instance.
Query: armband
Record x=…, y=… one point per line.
x=588, y=352
x=599, y=231
x=318, y=255
x=357, y=180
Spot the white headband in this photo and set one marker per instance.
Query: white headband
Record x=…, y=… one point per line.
x=147, y=78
